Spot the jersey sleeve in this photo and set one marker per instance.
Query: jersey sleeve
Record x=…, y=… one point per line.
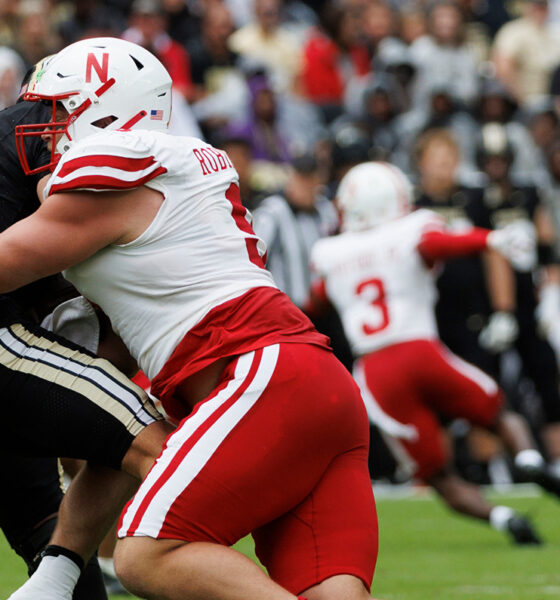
x=114, y=161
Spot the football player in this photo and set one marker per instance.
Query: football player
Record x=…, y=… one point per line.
x=379, y=274
x=273, y=436
x=63, y=401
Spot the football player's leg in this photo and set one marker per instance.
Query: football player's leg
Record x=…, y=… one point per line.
x=28, y=515
x=248, y=455
x=71, y=403
x=467, y=392
x=467, y=498
x=396, y=406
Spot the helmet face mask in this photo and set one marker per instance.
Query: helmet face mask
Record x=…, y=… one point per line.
x=102, y=83
x=372, y=193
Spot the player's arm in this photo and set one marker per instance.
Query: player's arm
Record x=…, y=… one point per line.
x=515, y=242
x=68, y=228
x=438, y=244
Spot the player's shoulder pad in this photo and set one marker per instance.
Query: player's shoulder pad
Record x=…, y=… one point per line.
x=321, y=252
x=428, y=220
x=109, y=160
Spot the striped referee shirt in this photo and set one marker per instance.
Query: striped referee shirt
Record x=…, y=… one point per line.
x=289, y=235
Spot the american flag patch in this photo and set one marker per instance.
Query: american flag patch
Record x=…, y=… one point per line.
x=156, y=115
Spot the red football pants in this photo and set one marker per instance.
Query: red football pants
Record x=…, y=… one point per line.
x=279, y=450
x=405, y=386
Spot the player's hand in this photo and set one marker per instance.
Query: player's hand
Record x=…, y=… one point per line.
x=547, y=312
x=500, y=332
x=517, y=242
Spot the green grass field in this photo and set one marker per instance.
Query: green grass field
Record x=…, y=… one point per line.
x=426, y=553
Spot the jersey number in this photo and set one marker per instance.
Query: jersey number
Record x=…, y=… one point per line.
x=238, y=213
x=375, y=286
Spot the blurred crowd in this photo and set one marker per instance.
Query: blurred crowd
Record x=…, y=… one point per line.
x=463, y=96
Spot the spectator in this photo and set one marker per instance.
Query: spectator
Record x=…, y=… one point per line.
x=8, y=23
x=183, y=19
x=148, y=28
x=87, y=19
x=444, y=54
x=543, y=123
x=11, y=74
x=35, y=36
x=496, y=105
x=443, y=110
x=269, y=147
x=219, y=88
x=413, y=23
x=332, y=56
x=525, y=51
x=380, y=104
x=379, y=24
x=349, y=147
x=268, y=42
x=238, y=148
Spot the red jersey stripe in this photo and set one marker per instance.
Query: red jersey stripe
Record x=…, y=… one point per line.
x=106, y=160
x=103, y=182
x=193, y=439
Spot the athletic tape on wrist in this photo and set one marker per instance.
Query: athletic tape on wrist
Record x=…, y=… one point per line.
x=53, y=550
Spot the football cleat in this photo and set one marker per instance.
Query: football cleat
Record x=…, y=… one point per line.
x=522, y=532
x=543, y=476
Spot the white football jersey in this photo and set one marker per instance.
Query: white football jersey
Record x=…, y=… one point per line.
x=379, y=283
x=198, y=252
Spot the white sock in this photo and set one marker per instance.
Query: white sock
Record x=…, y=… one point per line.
x=55, y=579
x=107, y=566
x=529, y=458
x=499, y=516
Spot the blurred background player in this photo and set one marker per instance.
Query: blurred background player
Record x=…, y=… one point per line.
x=508, y=200
x=379, y=275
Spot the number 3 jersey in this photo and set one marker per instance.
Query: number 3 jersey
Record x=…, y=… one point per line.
x=199, y=251
x=380, y=285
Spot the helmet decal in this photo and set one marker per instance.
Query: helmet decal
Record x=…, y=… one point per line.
x=102, y=69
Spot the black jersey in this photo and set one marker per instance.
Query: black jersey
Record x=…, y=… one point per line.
x=18, y=199
x=461, y=283
x=499, y=209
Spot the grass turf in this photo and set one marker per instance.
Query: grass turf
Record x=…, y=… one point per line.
x=427, y=553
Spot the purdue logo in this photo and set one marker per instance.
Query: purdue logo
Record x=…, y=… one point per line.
x=102, y=70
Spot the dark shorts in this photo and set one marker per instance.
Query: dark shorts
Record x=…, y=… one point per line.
x=60, y=400
x=33, y=494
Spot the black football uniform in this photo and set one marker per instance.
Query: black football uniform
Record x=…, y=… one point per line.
x=536, y=354
x=59, y=399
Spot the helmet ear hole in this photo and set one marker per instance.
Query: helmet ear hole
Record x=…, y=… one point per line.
x=104, y=121
x=138, y=64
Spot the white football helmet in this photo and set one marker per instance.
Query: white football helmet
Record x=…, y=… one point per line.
x=372, y=193
x=103, y=83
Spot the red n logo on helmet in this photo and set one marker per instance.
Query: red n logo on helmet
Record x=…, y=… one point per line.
x=102, y=70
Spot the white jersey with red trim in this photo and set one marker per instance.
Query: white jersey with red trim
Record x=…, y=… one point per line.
x=379, y=283
x=199, y=251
